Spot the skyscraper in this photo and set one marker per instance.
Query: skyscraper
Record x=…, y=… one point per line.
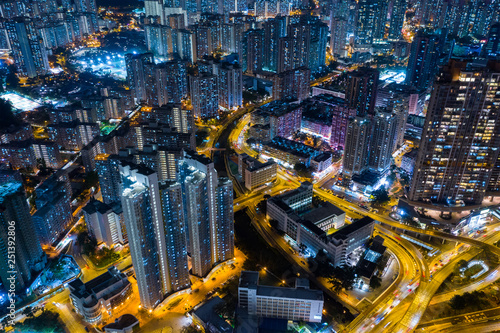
x=371, y=19
x=356, y=148
x=143, y=221
x=230, y=85
x=204, y=95
x=15, y=219
x=107, y=167
x=174, y=226
x=171, y=82
x=422, y=64
x=274, y=29
x=361, y=90
x=224, y=221
x=338, y=35
x=27, y=47
x=382, y=140
x=139, y=75
x=253, y=57
x=461, y=136
x=397, y=19
x=209, y=219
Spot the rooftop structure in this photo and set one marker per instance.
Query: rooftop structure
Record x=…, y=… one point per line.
x=297, y=304
x=100, y=294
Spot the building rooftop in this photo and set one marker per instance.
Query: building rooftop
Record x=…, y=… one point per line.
x=322, y=157
x=322, y=212
x=102, y=282
x=94, y=206
x=197, y=157
x=125, y=321
x=313, y=227
x=9, y=189
x=259, y=165
x=207, y=313
x=249, y=279
x=343, y=233
x=279, y=108
x=298, y=293
x=293, y=147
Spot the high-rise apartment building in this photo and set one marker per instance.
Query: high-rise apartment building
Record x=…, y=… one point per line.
x=107, y=167
x=356, y=148
x=461, y=135
x=382, y=141
x=422, y=64
x=171, y=82
x=30, y=56
x=224, y=246
x=361, y=91
x=143, y=221
x=204, y=95
x=139, y=75
x=253, y=57
x=174, y=226
x=397, y=19
x=371, y=20
x=338, y=35
x=230, y=86
x=210, y=221
x=15, y=217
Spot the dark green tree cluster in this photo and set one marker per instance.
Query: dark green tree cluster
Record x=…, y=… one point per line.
x=87, y=242
x=302, y=170
x=47, y=322
x=375, y=282
x=7, y=115
x=476, y=298
x=339, y=277
x=380, y=197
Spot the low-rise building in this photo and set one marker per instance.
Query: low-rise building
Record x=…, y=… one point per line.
x=321, y=162
x=256, y=173
x=288, y=152
x=326, y=217
x=367, y=265
x=311, y=230
x=99, y=295
x=125, y=324
x=297, y=304
x=208, y=317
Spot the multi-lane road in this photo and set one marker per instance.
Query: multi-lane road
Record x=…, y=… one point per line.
x=389, y=313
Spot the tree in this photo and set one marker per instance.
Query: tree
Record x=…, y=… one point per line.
x=87, y=242
x=302, y=170
x=375, y=282
x=336, y=285
x=12, y=80
x=47, y=321
x=380, y=197
x=7, y=115
x=91, y=180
